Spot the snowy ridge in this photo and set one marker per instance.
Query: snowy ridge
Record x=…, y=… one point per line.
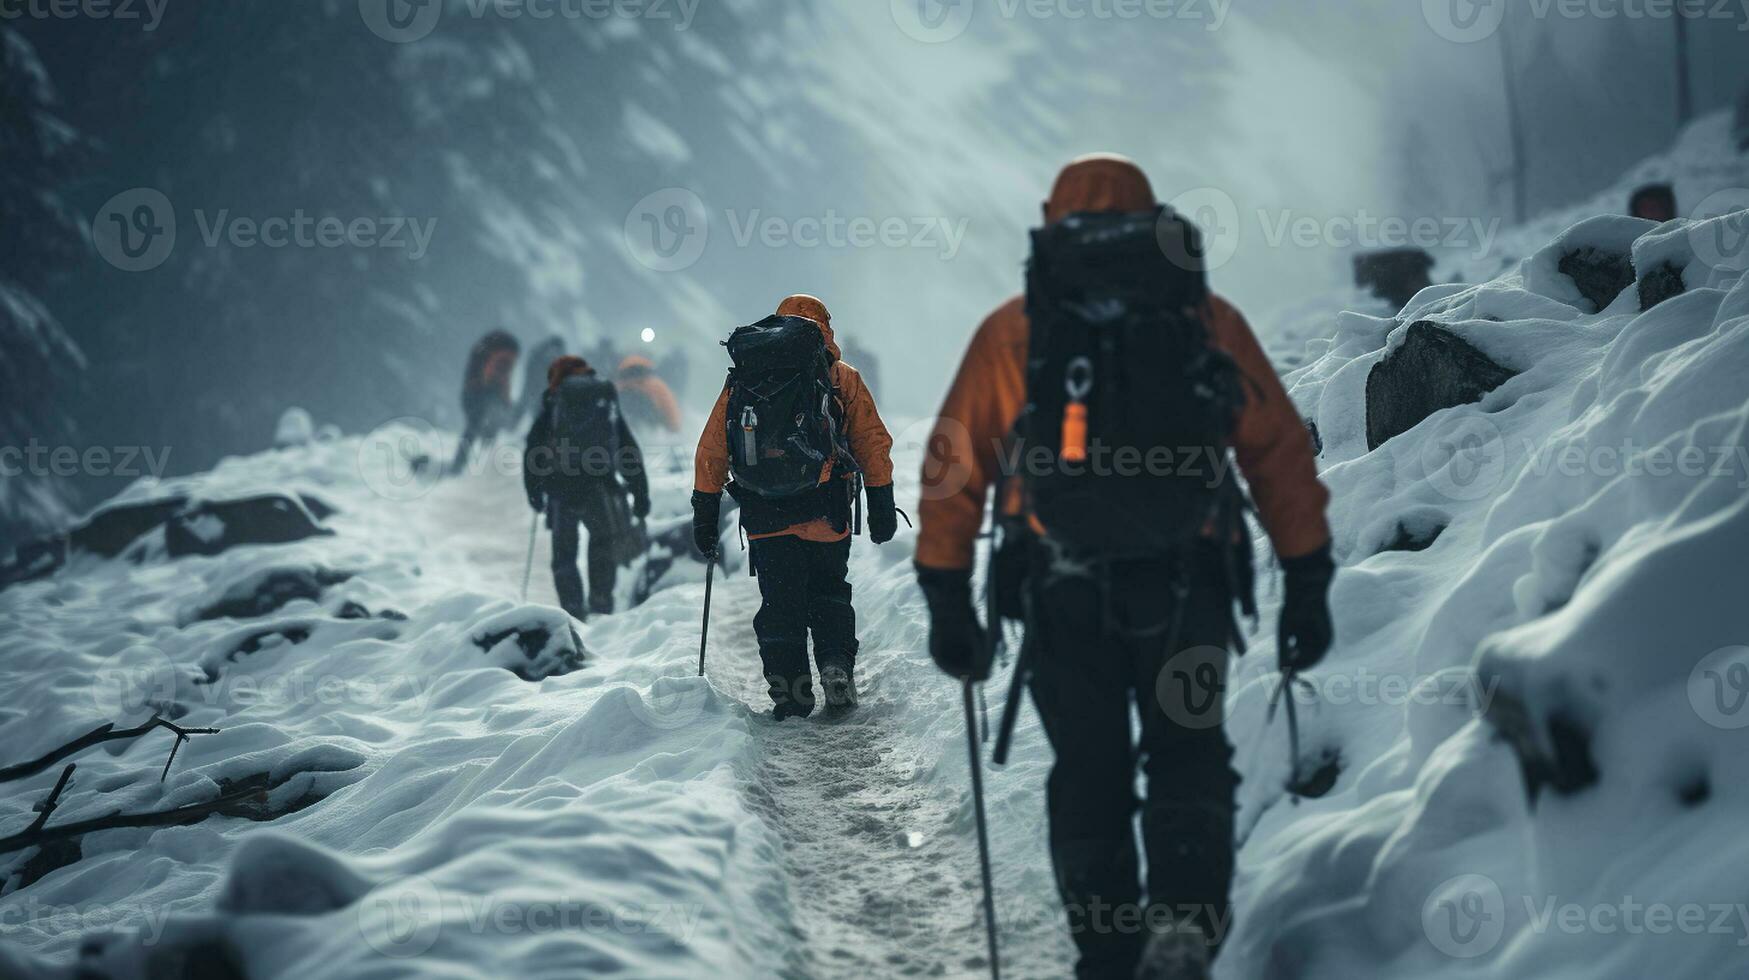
x=1584, y=594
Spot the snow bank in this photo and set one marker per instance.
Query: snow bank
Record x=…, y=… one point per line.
x=1540, y=714
x=456, y=781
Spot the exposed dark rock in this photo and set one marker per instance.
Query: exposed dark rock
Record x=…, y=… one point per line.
x=215, y=526
x=1695, y=792
x=273, y=591
x=1660, y=284
x=1565, y=765
x=273, y=519
x=320, y=509
x=1601, y=276
x=352, y=610
x=546, y=655
x=1432, y=371
x=1394, y=275
x=210, y=958
x=112, y=529
x=1317, y=437
x=1318, y=783
x=1414, y=537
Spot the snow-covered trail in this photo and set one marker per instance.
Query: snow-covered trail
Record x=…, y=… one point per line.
x=876, y=886
x=871, y=812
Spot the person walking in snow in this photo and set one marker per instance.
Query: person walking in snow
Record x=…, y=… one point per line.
x=793, y=436
x=648, y=401
x=534, y=375
x=1126, y=579
x=486, y=393
x=580, y=464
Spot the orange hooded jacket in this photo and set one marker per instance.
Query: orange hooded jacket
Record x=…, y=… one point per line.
x=961, y=462
x=637, y=379
x=870, y=442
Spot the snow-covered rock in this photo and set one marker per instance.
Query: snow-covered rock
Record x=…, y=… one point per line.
x=296, y=428
x=1552, y=789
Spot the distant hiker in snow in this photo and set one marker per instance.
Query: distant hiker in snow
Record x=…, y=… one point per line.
x=1654, y=202
x=797, y=432
x=580, y=464
x=1126, y=578
x=534, y=375
x=486, y=393
x=649, y=404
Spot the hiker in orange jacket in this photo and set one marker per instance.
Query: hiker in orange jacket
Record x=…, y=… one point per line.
x=646, y=398
x=1088, y=659
x=486, y=393
x=801, y=548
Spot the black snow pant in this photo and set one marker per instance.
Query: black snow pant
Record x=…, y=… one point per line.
x=804, y=587
x=1099, y=642
x=595, y=513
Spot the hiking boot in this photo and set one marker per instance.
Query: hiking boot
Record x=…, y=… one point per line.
x=839, y=684
x=1180, y=953
x=788, y=710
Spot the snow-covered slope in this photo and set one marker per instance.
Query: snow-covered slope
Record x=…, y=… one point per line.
x=1539, y=719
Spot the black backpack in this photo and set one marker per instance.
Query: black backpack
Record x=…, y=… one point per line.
x=583, y=428
x=1120, y=367
x=784, y=420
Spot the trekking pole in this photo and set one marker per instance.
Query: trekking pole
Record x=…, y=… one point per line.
x=983, y=829
x=710, y=576
x=1011, y=709
x=528, y=564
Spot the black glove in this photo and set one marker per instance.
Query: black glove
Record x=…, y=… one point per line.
x=1306, y=628
x=883, y=518
x=956, y=641
x=640, y=505
x=707, y=514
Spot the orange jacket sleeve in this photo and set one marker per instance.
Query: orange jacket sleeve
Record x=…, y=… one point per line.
x=963, y=456
x=710, y=464
x=870, y=442
x=1272, y=445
